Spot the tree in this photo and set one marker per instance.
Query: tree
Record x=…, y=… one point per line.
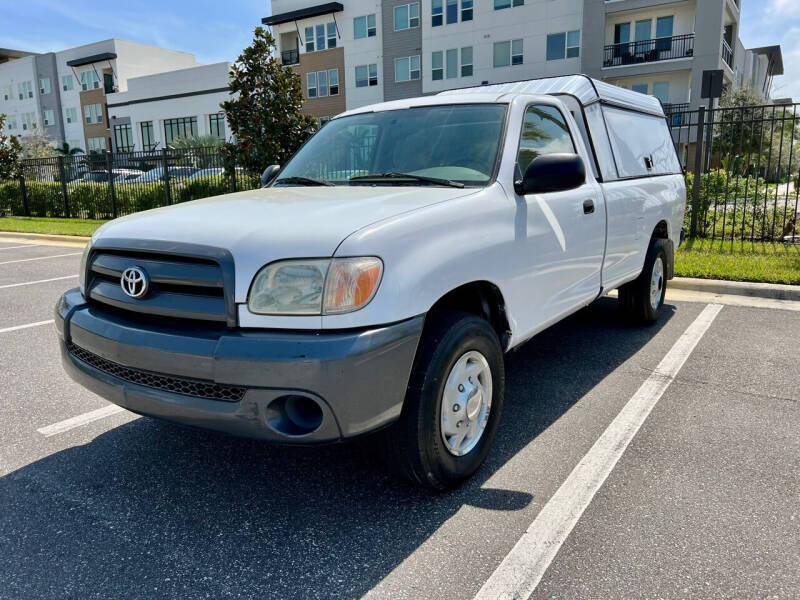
x=66, y=150
x=738, y=128
x=264, y=112
x=37, y=145
x=10, y=166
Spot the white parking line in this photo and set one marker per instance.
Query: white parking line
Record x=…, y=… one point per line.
x=523, y=567
x=20, y=246
x=80, y=420
x=19, y=260
x=11, y=285
x=26, y=326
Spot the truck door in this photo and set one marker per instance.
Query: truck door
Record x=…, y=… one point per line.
x=565, y=233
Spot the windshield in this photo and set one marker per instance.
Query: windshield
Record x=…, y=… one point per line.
x=457, y=142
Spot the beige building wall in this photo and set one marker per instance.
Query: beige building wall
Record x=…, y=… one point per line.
x=322, y=60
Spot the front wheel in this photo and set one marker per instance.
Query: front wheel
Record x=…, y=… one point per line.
x=453, y=404
x=642, y=298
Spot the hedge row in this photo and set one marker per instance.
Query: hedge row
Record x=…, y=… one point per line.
x=90, y=200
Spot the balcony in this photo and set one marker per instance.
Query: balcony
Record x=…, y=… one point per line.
x=677, y=114
x=648, y=51
x=290, y=57
x=727, y=53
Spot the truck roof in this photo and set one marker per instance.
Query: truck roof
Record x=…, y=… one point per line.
x=585, y=89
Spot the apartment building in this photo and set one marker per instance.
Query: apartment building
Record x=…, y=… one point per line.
x=64, y=94
x=365, y=51
x=156, y=109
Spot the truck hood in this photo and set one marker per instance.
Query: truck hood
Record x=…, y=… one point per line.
x=263, y=225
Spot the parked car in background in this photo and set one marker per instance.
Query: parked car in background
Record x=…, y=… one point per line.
x=157, y=174
x=214, y=172
x=101, y=176
x=378, y=280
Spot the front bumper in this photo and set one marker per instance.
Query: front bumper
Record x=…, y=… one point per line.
x=358, y=378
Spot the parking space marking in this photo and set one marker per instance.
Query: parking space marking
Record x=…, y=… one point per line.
x=522, y=568
x=19, y=260
x=12, y=285
x=84, y=419
x=20, y=246
x=26, y=326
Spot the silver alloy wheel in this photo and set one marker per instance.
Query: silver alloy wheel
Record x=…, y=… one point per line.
x=657, y=283
x=466, y=403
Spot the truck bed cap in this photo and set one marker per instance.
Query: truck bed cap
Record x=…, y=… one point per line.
x=582, y=87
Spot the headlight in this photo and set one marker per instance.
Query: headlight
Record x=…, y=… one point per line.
x=82, y=273
x=315, y=287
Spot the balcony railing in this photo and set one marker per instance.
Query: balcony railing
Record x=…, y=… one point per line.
x=727, y=53
x=290, y=57
x=677, y=114
x=645, y=51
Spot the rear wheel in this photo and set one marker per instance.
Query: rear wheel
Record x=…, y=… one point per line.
x=453, y=404
x=642, y=298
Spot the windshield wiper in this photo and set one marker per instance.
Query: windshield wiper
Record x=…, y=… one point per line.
x=303, y=181
x=394, y=175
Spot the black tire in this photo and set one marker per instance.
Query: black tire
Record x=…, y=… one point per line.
x=413, y=445
x=634, y=297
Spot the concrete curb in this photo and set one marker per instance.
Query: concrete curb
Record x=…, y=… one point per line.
x=774, y=291
x=13, y=236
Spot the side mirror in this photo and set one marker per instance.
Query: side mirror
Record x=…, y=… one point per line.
x=269, y=174
x=552, y=173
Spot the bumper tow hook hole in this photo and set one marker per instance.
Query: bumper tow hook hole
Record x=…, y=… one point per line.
x=294, y=415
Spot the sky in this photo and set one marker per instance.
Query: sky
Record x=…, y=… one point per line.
x=216, y=31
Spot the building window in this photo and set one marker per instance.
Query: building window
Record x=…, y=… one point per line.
x=89, y=81
x=508, y=53
x=564, y=45
x=452, y=63
x=97, y=144
x=93, y=113
x=437, y=65
x=6, y=93
x=501, y=4
x=451, y=12
x=216, y=125
x=367, y=75
x=320, y=37
x=28, y=121
x=332, y=34
x=25, y=90
x=333, y=82
x=311, y=85
x=49, y=117
x=466, y=61
x=44, y=85
x=183, y=127
x=148, y=136
x=123, y=137
x=71, y=115
x=11, y=123
x=406, y=16
x=364, y=27
x=639, y=87
x=310, y=39
x=466, y=10
x=436, y=13
x=661, y=91
x=322, y=84
x=67, y=83
x=406, y=69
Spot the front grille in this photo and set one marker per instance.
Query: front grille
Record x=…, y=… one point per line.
x=177, y=385
x=179, y=286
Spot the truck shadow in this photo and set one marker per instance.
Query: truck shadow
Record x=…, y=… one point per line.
x=151, y=510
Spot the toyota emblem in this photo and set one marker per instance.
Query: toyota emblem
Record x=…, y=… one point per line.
x=134, y=282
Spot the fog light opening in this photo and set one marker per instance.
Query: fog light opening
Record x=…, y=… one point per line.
x=294, y=415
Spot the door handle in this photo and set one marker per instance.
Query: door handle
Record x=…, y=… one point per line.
x=588, y=207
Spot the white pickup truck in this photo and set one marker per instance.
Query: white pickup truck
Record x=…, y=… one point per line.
x=378, y=278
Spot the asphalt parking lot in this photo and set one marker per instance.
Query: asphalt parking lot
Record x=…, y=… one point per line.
x=704, y=502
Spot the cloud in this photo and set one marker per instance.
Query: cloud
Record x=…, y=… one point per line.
x=783, y=8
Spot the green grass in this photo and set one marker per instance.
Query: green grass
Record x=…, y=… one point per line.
x=84, y=227
x=739, y=261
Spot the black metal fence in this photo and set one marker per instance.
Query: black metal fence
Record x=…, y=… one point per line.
x=105, y=186
x=743, y=171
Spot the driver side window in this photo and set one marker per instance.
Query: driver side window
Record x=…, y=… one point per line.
x=544, y=131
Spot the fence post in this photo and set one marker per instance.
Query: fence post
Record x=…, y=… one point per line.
x=62, y=176
x=165, y=166
x=111, y=189
x=25, y=210
x=698, y=171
